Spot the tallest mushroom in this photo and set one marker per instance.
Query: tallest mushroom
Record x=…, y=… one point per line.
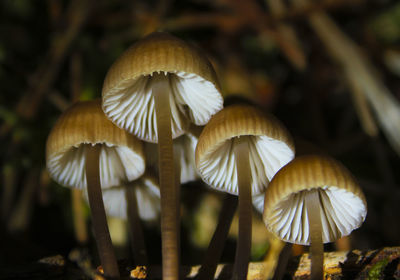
x=154, y=90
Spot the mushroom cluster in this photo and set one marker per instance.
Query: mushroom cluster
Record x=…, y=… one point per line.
x=162, y=109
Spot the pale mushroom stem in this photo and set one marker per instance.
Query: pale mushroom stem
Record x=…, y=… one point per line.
x=242, y=256
x=99, y=220
x=217, y=243
x=80, y=230
x=168, y=189
x=135, y=228
x=317, y=248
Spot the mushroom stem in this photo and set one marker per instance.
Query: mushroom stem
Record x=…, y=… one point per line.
x=99, y=220
x=284, y=256
x=168, y=189
x=317, y=247
x=79, y=219
x=243, y=248
x=135, y=229
x=217, y=243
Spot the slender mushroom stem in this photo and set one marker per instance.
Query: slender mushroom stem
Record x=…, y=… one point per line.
x=217, y=243
x=99, y=220
x=168, y=189
x=135, y=229
x=283, y=260
x=317, y=248
x=243, y=248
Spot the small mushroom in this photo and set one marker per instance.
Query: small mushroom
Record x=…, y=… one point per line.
x=313, y=200
x=184, y=149
x=135, y=201
x=147, y=193
x=238, y=152
x=86, y=150
x=154, y=90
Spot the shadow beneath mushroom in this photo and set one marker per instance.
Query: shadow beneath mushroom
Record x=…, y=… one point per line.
x=391, y=269
x=353, y=264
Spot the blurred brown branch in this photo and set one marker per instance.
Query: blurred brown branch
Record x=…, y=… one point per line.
x=22, y=211
x=363, y=77
x=47, y=72
x=248, y=13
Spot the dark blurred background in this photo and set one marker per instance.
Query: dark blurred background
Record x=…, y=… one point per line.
x=329, y=70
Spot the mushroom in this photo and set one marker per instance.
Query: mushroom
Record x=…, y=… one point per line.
x=184, y=148
x=139, y=199
x=238, y=152
x=147, y=193
x=154, y=90
x=313, y=200
x=86, y=150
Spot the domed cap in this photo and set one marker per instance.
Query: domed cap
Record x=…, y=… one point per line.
x=193, y=86
x=84, y=123
x=147, y=194
x=270, y=147
x=342, y=203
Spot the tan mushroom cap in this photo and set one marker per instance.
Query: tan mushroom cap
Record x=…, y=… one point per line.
x=127, y=95
x=343, y=205
x=270, y=147
x=84, y=123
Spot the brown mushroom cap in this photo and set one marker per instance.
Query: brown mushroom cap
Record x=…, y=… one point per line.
x=84, y=123
x=270, y=146
x=127, y=89
x=343, y=206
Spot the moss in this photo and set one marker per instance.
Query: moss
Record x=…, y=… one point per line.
x=376, y=270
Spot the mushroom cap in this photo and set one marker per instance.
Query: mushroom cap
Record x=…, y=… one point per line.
x=84, y=123
x=193, y=86
x=270, y=146
x=184, y=148
x=147, y=193
x=343, y=205
x=258, y=202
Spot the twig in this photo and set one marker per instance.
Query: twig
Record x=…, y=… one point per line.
x=9, y=189
x=295, y=54
x=361, y=72
x=306, y=8
x=58, y=100
x=363, y=110
x=20, y=217
x=75, y=72
x=47, y=72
